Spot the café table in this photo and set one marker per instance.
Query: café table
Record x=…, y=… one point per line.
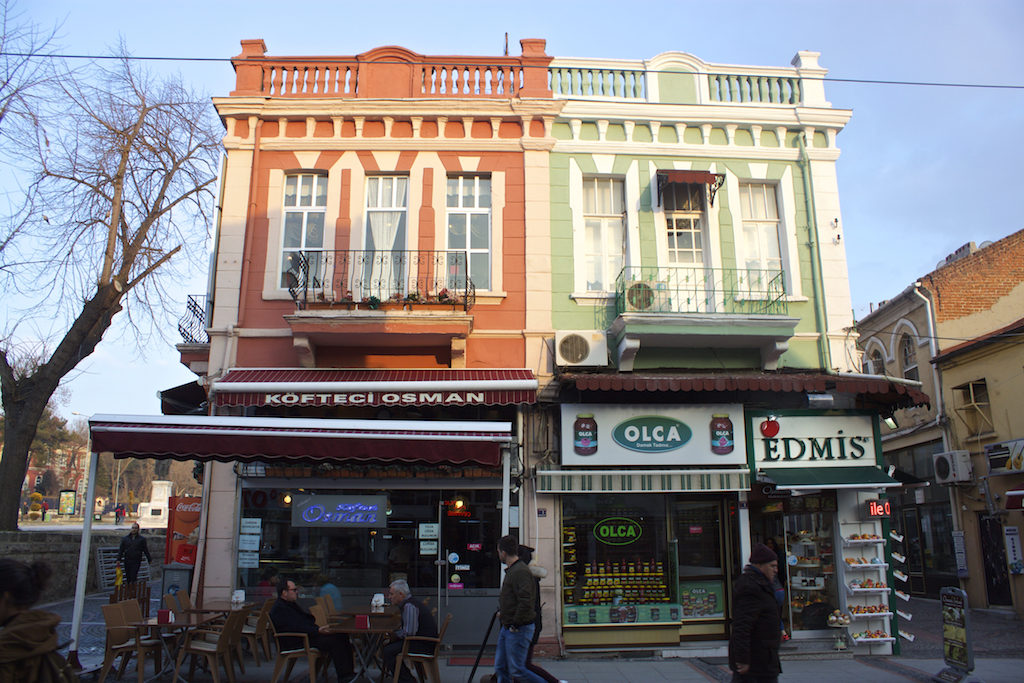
x=367, y=637
x=152, y=625
x=219, y=607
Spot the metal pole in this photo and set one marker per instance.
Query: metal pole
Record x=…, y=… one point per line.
x=83, y=563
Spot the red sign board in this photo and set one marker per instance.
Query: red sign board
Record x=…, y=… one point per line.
x=182, y=529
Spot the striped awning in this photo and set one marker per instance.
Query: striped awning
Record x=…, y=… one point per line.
x=265, y=439
x=310, y=387
x=642, y=481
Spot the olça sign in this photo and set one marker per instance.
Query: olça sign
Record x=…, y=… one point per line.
x=617, y=531
x=651, y=433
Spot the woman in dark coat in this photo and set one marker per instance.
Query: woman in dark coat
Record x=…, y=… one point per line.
x=756, y=634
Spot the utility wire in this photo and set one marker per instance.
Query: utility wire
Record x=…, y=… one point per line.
x=349, y=60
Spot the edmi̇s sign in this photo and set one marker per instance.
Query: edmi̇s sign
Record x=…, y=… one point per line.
x=651, y=434
x=617, y=531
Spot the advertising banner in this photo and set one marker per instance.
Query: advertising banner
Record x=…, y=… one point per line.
x=67, y=502
x=182, y=529
x=818, y=441
x=667, y=435
x=956, y=644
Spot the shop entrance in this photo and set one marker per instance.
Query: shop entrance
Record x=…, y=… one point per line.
x=993, y=549
x=801, y=529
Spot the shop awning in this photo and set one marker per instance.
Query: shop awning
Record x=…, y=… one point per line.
x=799, y=479
x=642, y=481
x=333, y=387
x=879, y=390
x=269, y=439
x=907, y=480
x=1015, y=498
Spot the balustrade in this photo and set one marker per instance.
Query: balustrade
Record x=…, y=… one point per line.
x=695, y=289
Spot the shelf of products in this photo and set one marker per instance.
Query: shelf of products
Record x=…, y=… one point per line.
x=872, y=640
x=871, y=615
x=866, y=589
x=863, y=539
x=810, y=569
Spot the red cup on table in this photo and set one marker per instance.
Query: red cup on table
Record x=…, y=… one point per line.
x=363, y=621
x=163, y=616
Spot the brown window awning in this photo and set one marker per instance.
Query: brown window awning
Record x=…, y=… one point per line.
x=880, y=390
x=245, y=439
x=308, y=387
x=712, y=180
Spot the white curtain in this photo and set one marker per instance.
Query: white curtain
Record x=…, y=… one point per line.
x=384, y=271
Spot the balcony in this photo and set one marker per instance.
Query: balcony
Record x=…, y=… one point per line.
x=380, y=299
x=380, y=280
x=737, y=317
x=192, y=325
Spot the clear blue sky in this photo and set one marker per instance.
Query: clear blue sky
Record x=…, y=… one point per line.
x=923, y=170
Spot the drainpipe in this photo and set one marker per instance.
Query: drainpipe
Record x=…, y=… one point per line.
x=820, y=319
x=933, y=348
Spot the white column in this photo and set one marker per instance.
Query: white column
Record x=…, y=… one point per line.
x=743, y=515
x=83, y=556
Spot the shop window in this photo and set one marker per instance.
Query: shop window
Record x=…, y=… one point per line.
x=469, y=226
x=615, y=561
x=604, y=238
x=908, y=357
x=305, y=206
x=973, y=408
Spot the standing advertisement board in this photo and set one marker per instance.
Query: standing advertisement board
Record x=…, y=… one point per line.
x=182, y=529
x=956, y=643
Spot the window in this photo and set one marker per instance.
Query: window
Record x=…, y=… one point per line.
x=684, y=217
x=973, y=408
x=305, y=202
x=386, y=201
x=761, y=245
x=908, y=357
x=604, y=232
x=469, y=225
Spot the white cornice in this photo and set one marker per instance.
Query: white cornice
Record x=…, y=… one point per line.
x=709, y=113
x=710, y=152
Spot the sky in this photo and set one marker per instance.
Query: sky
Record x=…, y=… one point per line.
x=923, y=170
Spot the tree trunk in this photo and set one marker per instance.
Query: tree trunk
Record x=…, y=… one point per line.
x=18, y=436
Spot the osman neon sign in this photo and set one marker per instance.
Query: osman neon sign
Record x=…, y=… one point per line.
x=339, y=511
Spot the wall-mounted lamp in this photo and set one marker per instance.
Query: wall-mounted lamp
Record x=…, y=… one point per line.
x=287, y=500
x=890, y=422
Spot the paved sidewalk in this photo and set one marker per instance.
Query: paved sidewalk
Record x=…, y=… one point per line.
x=999, y=654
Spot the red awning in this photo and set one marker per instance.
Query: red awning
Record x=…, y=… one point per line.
x=331, y=387
x=1015, y=498
x=882, y=389
x=700, y=177
x=266, y=439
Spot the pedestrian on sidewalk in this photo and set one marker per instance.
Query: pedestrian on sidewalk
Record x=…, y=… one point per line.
x=28, y=637
x=517, y=608
x=756, y=624
x=133, y=547
x=538, y=573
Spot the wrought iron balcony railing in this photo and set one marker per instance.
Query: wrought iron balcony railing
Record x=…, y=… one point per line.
x=695, y=289
x=375, y=278
x=192, y=325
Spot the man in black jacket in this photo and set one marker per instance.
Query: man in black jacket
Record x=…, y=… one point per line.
x=290, y=617
x=133, y=547
x=756, y=635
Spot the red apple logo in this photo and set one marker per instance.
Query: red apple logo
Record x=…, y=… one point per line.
x=769, y=428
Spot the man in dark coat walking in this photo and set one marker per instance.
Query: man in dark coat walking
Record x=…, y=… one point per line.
x=133, y=547
x=756, y=633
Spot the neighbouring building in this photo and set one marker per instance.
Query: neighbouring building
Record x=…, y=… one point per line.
x=600, y=304
x=956, y=329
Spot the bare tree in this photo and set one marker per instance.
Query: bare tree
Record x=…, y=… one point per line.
x=124, y=164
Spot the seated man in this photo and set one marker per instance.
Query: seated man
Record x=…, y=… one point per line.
x=290, y=617
x=416, y=621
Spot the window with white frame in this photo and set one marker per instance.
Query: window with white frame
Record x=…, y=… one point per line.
x=305, y=206
x=908, y=357
x=469, y=225
x=684, y=222
x=604, y=219
x=762, y=248
x=386, y=205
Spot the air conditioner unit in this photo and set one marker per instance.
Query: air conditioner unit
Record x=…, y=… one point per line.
x=952, y=467
x=647, y=296
x=579, y=348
